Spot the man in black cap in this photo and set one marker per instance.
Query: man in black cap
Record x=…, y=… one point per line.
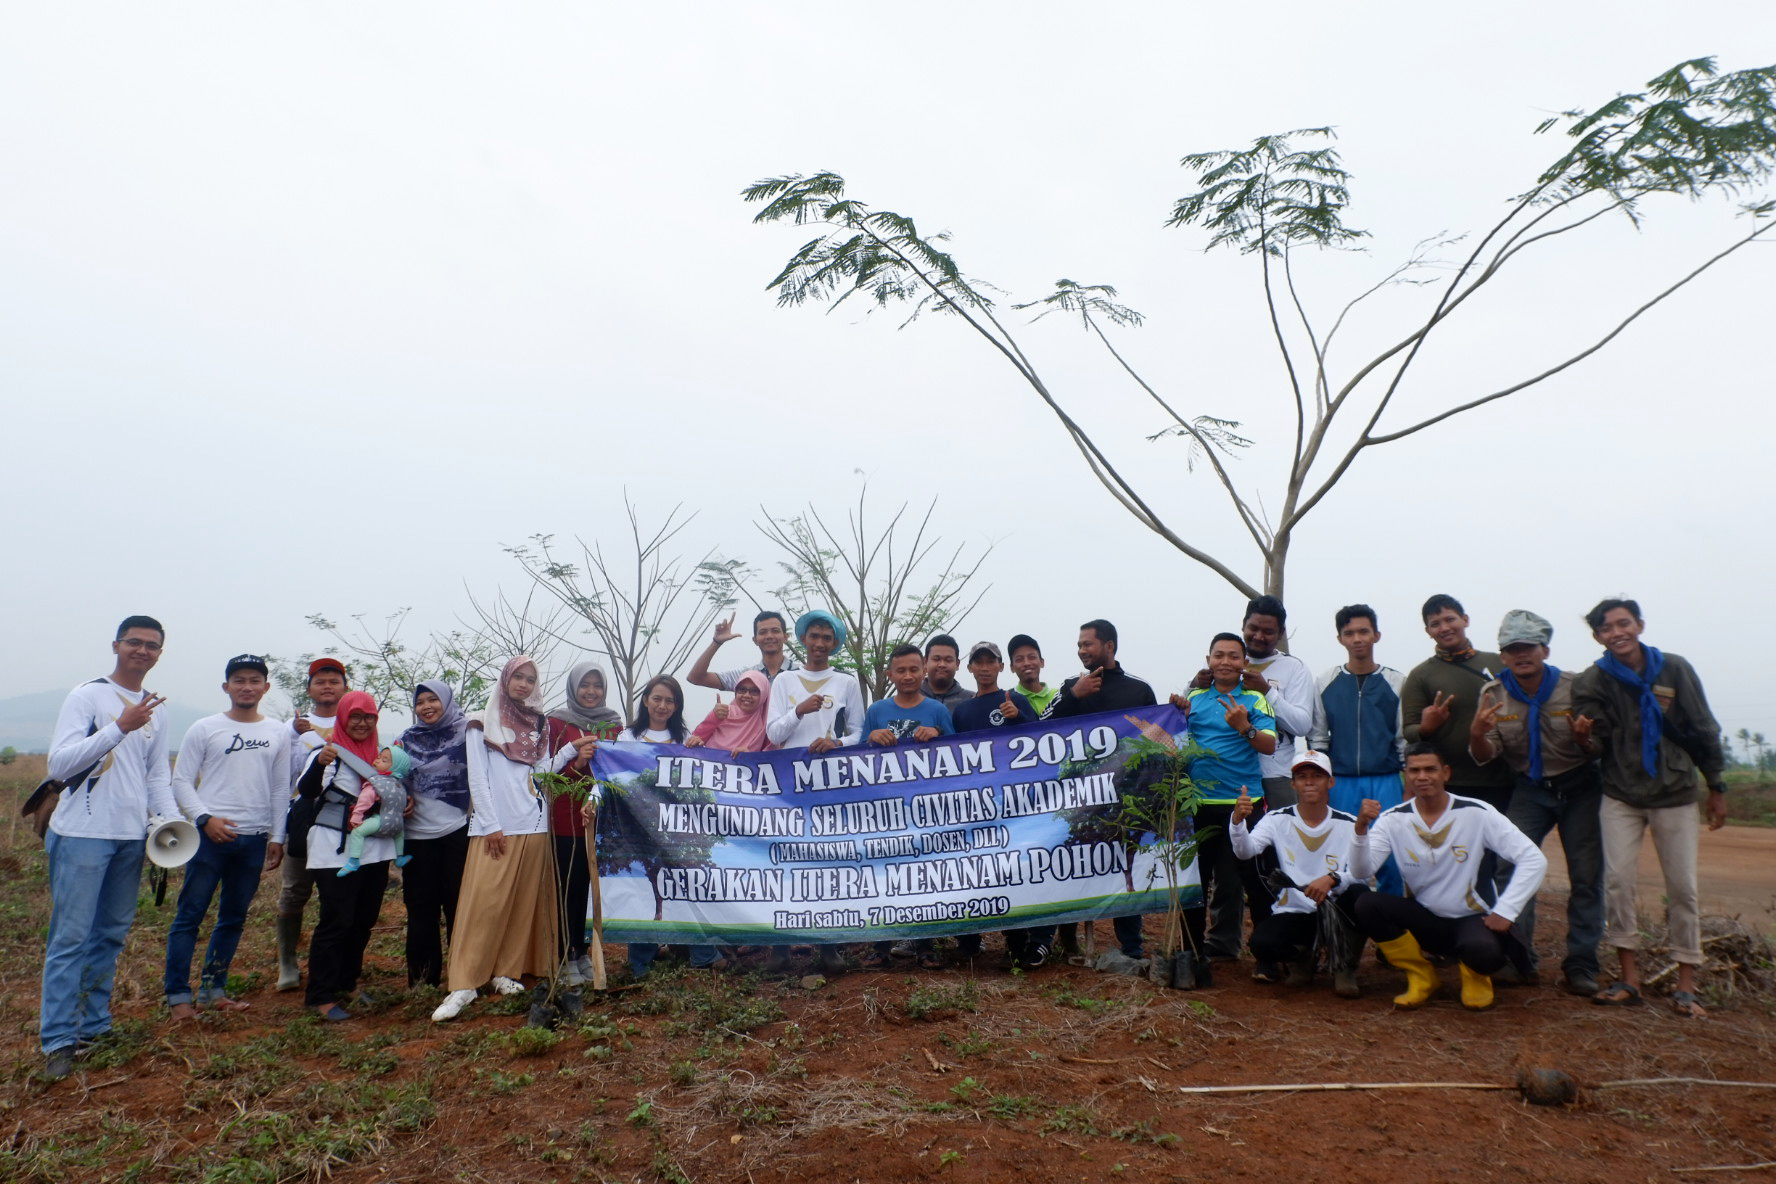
x=231, y=782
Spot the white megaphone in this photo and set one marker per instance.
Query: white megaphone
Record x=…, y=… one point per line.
x=171, y=842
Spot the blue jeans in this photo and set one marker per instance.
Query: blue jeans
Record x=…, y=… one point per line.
x=93, y=885
x=1347, y=795
x=1571, y=802
x=235, y=867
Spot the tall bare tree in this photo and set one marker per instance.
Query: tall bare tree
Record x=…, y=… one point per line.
x=889, y=580
x=646, y=608
x=1690, y=133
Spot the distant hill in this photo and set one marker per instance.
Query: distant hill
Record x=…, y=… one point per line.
x=26, y=721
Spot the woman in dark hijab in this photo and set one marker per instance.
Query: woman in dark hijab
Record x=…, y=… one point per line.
x=437, y=830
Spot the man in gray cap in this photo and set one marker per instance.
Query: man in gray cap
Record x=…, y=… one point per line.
x=1525, y=717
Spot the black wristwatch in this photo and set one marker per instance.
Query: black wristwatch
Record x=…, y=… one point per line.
x=1250, y=733
x=203, y=820
x=1719, y=787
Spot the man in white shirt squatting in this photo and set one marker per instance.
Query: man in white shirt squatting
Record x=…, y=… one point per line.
x=1438, y=838
x=820, y=709
x=232, y=782
x=1312, y=843
x=110, y=753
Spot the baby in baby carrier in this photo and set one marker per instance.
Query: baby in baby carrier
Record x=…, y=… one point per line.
x=387, y=797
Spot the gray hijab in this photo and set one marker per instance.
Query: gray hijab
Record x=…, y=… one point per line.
x=586, y=719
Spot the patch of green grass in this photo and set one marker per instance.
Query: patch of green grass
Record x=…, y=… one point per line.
x=1144, y=1131
x=1007, y=1107
x=697, y=1002
x=971, y=1045
x=966, y=1089
x=529, y=1042
x=1077, y=1120
x=1063, y=995
x=936, y=1001
x=501, y=1082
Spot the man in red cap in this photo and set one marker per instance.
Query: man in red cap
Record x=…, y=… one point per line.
x=326, y=686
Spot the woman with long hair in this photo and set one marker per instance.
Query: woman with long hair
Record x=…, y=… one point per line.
x=659, y=719
x=583, y=712
x=508, y=918
x=437, y=829
x=659, y=714
x=349, y=904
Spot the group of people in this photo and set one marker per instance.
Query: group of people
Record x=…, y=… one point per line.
x=1413, y=817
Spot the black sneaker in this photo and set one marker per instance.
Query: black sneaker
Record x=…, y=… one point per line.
x=59, y=1063
x=1032, y=956
x=1267, y=972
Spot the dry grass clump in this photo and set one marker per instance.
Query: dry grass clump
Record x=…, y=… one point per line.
x=1738, y=967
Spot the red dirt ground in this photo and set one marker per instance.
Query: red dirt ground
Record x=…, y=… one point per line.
x=1060, y=1075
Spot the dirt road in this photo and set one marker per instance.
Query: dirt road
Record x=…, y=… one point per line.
x=1738, y=875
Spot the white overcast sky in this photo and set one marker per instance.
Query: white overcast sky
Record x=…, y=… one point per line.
x=310, y=308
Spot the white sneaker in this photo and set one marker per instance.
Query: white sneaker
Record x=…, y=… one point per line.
x=507, y=986
x=452, y=1006
x=584, y=964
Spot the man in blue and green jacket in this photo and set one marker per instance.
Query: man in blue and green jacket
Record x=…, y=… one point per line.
x=1357, y=723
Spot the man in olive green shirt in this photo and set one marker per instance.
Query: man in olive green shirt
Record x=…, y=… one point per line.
x=1439, y=697
x=1026, y=662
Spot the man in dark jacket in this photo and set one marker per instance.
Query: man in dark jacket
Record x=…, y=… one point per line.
x=1105, y=686
x=1646, y=713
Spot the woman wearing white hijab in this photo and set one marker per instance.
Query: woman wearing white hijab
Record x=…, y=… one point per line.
x=508, y=919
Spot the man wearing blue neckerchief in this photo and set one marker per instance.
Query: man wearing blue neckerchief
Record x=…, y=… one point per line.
x=1525, y=719
x=1646, y=713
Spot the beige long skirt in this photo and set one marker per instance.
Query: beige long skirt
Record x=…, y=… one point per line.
x=508, y=921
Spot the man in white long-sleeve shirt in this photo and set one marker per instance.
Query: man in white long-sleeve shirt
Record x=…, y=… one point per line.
x=1438, y=840
x=820, y=709
x=1312, y=843
x=816, y=707
x=110, y=752
x=232, y=782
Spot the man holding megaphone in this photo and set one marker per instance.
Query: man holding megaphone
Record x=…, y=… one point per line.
x=108, y=761
x=232, y=783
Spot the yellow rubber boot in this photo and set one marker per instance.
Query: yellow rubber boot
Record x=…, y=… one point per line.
x=1476, y=990
x=1422, y=984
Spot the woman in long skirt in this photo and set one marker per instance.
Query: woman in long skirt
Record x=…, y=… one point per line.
x=508, y=918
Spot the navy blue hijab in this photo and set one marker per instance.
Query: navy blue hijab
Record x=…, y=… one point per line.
x=440, y=758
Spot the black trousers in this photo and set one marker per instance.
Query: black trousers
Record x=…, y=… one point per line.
x=429, y=888
x=1225, y=877
x=573, y=872
x=1382, y=916
x=349, y=907
x=1289, y=937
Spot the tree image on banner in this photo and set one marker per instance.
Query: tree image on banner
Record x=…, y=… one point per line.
x=625, y=838
x=1142, y=766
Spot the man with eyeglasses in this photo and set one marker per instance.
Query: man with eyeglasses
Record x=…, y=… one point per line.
x=109, y=751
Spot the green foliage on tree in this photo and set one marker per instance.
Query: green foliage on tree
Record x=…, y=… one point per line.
x=1691, y=132
x=8, y=755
